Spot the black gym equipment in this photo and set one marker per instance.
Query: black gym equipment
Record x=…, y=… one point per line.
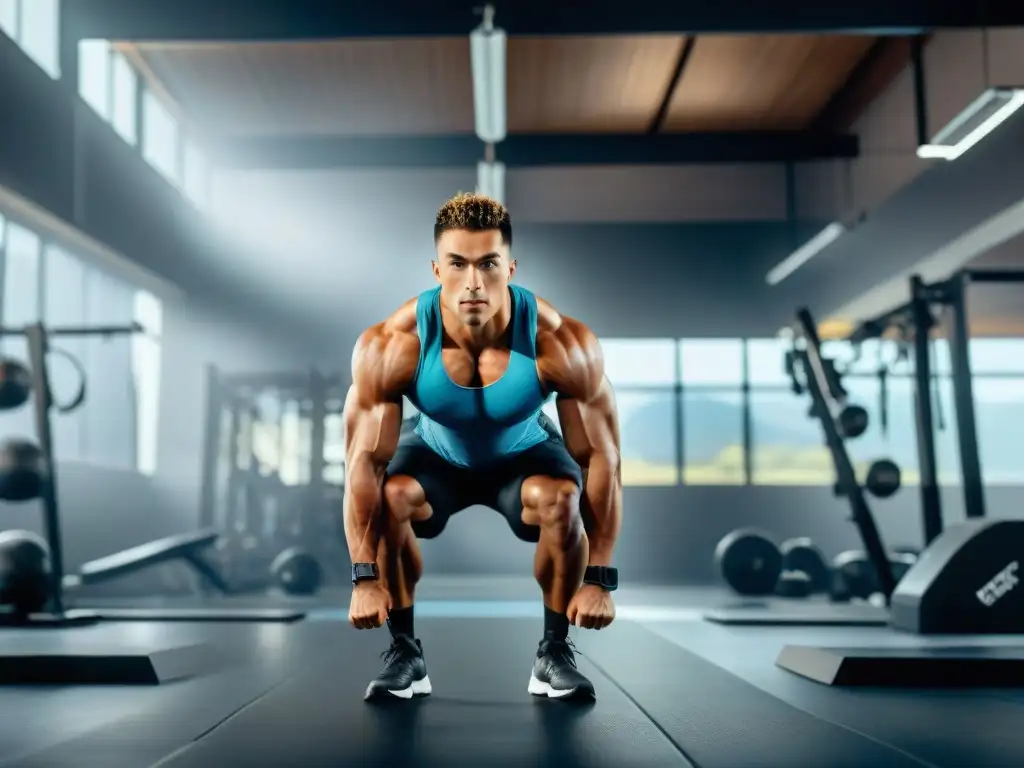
x=857, y=577
x=852, y=421
x=23, y=470
x=916, y=320
x=39, y=470
x=803, y=555
x=793, y=584
x=883, y=479
x=28, y=466
x=749, y=562
x=265, y=493
x=24, y=574
x=297, y=572
x=966, y=581
x=15, y=384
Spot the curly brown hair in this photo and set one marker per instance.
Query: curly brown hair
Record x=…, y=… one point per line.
x=473, y=212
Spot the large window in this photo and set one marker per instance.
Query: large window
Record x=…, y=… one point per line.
x=713, y=445
x=159, y=136
x=997, y=356
x=711, y=362
x=145, y=353
x=9, y=18
x=108, y=83
x=643, y=374
x=94, y=75
x=108, y=414
x=713, y=437
x=766, y=362
x=116, y=425
x=124, y=84
x=39, y=33
x=64, y=305
x=787, y=444
x=999, y=410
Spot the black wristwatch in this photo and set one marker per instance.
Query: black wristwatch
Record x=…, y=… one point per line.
x=603, y=576
x=364, y=572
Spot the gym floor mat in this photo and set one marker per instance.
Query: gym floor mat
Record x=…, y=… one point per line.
x=479, y=714
x=677, y=692
x=979, y=728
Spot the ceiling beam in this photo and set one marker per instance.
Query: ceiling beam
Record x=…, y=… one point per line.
x=682, y=59
x=881, y=65
x=267, y=20
x=531, y=150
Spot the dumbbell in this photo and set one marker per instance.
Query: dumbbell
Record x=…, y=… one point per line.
x=801, y=555
x=856, y=576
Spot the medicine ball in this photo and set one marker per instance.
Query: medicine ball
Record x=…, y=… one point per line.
x=24, y=572
x=22, y=470
x=296, y=572
x=15, y=384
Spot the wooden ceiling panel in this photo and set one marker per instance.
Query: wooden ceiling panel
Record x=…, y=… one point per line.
x=588, y=84
x=762, y=82
x=351, y=87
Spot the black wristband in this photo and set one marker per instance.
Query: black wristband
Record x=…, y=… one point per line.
x=602, y=576
x=364, y=572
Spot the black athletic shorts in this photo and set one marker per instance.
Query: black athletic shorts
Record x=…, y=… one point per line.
x=451, y=488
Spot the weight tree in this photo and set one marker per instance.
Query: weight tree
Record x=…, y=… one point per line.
x=37, y=337
x=828, y=398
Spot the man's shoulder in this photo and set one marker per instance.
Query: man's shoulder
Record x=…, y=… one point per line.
x=549, y=319
x=398, y=330
x=555, y=325
x=403, y=319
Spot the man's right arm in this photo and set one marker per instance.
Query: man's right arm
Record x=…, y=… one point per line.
x=383, y=365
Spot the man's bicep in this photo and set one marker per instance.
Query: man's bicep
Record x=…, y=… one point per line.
x=373, y=405
x=590, y=426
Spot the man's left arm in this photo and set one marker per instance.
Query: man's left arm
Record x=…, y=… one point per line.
x=574, y=367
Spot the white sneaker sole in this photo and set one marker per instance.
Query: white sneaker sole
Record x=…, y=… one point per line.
x=538, y=688
x=418, y=688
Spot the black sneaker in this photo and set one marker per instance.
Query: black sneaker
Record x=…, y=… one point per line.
x=555, y=674
x=404, y=674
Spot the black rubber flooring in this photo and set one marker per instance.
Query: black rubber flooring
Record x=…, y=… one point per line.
x=690, y=693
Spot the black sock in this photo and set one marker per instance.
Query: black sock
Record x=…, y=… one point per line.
x=400, y=622
x=556, y=624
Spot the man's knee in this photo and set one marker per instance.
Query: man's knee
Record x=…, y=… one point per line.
x=551, y=502
x=403, y=495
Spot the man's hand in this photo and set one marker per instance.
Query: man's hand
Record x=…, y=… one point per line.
x=370, y=605
x=591, y=608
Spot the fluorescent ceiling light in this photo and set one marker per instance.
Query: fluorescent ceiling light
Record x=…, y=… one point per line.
x=487, y=61
x=490, y=180
x=974, y=123
x=805, y=253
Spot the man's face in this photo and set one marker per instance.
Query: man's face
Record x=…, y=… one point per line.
x=474, y=270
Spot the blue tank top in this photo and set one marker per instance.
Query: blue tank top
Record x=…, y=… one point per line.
x=477, y=426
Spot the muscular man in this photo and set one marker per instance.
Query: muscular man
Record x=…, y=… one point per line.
x=478, y=356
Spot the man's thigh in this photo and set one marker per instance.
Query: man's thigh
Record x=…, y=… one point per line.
x=549, y=459
x=444, y=484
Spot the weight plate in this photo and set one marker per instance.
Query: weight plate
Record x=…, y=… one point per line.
x=749, y=561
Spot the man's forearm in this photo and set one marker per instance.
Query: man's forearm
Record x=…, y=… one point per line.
x=602, y=499
x=363, y=508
